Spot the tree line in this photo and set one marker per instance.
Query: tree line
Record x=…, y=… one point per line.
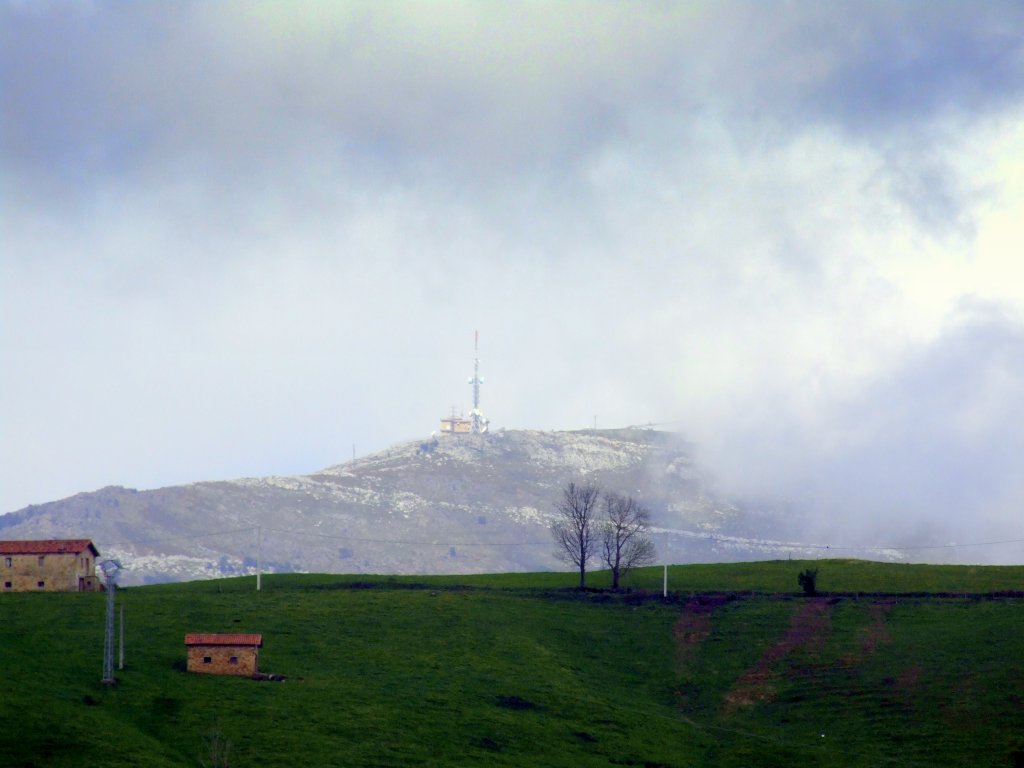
x=595, y=523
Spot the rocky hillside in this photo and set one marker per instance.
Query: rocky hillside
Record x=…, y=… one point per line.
x=457, y=504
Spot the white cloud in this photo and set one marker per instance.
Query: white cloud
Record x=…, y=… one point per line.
x=240, y=239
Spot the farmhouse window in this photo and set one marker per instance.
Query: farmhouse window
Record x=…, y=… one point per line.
x=41, y=558
x=41, y=584
x=7, y=562
x=7, y=585
x=207, y=660
x=233, y=660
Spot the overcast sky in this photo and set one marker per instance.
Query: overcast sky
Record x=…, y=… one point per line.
x=242, y=238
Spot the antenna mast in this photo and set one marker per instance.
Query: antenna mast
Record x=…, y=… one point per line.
x=479, y=423
x=111, y=570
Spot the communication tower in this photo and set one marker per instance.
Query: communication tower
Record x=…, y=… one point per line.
x=111, y=570
x=476, y=416
x=476, y=424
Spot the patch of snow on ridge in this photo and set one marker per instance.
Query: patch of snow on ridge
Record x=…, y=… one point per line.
x=318, y=490
x=580, y=453
x=141, y=569
x=528, y=515
x=287, y=482
x=594, y=456
x=404, y=502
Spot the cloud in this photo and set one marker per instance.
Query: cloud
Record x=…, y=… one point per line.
x=239, y=238
x=924, y=454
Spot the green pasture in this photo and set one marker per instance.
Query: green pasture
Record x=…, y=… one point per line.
x=775, y=576
x=734, y=669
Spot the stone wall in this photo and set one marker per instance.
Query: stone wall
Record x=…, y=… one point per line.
x=220, y=659
x=56, y=572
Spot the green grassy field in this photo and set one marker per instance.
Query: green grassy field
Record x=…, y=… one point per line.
x=735, y=669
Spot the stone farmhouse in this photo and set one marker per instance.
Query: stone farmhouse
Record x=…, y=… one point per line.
x=48, y=565
x=223, y=654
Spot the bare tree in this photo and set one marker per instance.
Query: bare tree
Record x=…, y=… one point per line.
x=574, y=531
x=624, y=535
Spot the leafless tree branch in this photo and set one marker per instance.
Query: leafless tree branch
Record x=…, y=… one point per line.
x=574, y=531
x=624, y=535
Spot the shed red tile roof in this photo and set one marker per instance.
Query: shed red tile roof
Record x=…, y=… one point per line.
x=48, y=547
x=214, y=639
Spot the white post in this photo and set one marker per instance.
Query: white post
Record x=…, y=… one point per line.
x=259, y=555
x=664, y=555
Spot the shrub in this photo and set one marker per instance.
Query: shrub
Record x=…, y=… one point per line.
x=808, y=579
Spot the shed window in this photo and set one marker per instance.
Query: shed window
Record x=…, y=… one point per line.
x=7, y=562
x=41, y=584
x=207, y=659
x=41, y=558
x=7, y=585
x=233, y=660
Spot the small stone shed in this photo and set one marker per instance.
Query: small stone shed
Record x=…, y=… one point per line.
x=223, y=654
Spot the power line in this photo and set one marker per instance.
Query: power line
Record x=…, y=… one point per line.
x=409, y=541
x=184, y=537
x=313, y=534
x=796, y=545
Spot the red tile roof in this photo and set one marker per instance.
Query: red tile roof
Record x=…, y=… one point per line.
x=213, y=639
x=48, y=547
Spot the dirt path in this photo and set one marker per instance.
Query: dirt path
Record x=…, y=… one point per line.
x=873, y=635
x=809, y=627
x=692, y=628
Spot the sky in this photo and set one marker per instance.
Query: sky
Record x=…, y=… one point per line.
x=254, y=238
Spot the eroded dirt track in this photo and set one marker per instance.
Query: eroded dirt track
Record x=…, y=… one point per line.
x=692, y=628
x=809, y=628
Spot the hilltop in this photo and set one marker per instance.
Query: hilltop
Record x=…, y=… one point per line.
x=455, y=504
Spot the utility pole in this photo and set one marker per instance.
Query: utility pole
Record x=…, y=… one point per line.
x=120, y=655
x=259, y=555
x=664, y=585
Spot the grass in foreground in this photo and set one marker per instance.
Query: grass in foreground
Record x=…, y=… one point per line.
x=520, y=670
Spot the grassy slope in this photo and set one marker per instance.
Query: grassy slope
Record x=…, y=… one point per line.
x=517, y=670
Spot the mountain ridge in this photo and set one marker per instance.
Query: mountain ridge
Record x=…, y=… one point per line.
x=450, y=504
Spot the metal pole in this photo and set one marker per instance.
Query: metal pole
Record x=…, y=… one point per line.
x=110, y=570
x=108, y=636
x=664, y=586
x=120, y=655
